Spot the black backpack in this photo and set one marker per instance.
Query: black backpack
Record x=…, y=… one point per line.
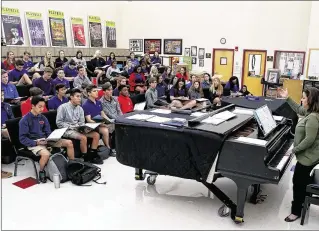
x=80, y=172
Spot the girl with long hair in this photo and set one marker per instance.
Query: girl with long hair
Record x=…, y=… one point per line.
x=179, y=96
x=216, y=91
x=9, y=62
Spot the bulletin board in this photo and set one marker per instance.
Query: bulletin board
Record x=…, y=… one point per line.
x=313, y=63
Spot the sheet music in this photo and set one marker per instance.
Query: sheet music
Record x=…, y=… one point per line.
x=252, y=141
x=92, y=125
x=158, y=119
x=265, y=119
x=162, y=111
x=139, y=106
x=225, y=115
x=57, y=134
x=278, y=118
x=140, y=117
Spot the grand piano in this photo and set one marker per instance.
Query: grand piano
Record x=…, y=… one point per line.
x=238, y=149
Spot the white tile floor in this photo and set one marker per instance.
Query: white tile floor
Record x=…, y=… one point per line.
x=124, y=203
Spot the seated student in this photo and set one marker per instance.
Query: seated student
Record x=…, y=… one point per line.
x=6, y=114
x=137, y=80
x=207, y=82
x=3, y=67
x=81, y=78
x=161, y=86
x=60, y=79
x=113, y=69
x=28, y=64
x=110, y=104
x=92, y=108
x=167, y=75
x=84, y=94
x=153, y=72
x=34, y=128
x=10, y=90
x=19, y=76
x=193, y=79
x=156, y=60
x=79, y=60
x=232, y=84
x=45, y=82
x=8, y=63
x=59, y=98
x=129, y=68
x=70, y=69
x=216, y=91
x=244, y=91
x=97, y=63
x=47, y=61
x=145, y=69
x=120, y=81
x=182, y=74
x=61, y=60
x=111, y=58
x=71, y=115
x=151, y=96
x=134, y=60
x=195, y=91
x=179, y=92
x=26, y=105
x=124, y=99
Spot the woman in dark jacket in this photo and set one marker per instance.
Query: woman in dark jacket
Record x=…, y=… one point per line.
x=61, y=60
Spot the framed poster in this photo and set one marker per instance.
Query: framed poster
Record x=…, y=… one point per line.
x=194, y=60
x=136, y=45
x=201, y=62
x=290, y=63
x=36, y=29
x=95, y=31
x=57, y=29
x=208, y=55
x=78, y=33
x=152, y=45
x=201, y=53
x=12, y=29
x=193, y=50
x=187, y=52
x=110, y=34
x=173, y=46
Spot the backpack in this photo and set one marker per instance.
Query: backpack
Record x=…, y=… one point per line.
x=80, y=172
x=57, y=164
x=103, y=152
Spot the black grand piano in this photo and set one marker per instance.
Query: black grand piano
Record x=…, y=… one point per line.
x=238, y=149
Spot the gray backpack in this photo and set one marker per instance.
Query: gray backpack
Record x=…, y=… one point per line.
x=57, y=164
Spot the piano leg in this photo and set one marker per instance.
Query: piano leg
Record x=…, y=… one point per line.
x=256, y=197
x=139, y=174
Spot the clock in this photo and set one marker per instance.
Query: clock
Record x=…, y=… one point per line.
x=222, y=40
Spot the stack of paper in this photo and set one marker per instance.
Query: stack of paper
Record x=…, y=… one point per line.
x=225, y=115
x=139, y=106
x=198, y=114
x=212, y=120
x=158, y=119
x=56, y=134
x=243, y=111
x=162, y=111
x=140, y=117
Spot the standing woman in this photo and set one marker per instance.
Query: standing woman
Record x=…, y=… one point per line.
x=61, y=60
x=111, y=59
x=9, y=62
x=306, y=146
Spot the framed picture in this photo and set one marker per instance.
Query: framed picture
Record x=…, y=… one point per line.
x=136, y=45
x=193, y=50
x=254, y=65
x=173, y=46
x=187, y=52
x=152, y=45
x=273, y=76
x=208, y=55
x=201, y=62
x=201, y=53
x=194, y=60
x=290, y=63
x=223, y=61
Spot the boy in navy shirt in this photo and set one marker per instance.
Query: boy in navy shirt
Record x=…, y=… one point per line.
x=34, y=128
x=10, y=90
x=61, y=79
x=27, y=62
x=59, y=99
x=92, y=108
x=45, y=82
x=6, y=114
x=19, y=76
x=70, y=70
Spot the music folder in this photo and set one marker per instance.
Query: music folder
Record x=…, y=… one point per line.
x=56, y=134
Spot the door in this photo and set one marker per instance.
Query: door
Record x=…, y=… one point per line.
x=254, y=67
x=223, y=62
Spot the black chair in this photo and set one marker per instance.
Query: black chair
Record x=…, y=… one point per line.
x=312, y=198
x=23, y=90
x=139, y=98
x=51, y=116
x=16, y=110
x=21, y=151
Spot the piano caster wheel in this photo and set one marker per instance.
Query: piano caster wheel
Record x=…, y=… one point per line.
x=239, y=220
x=139, y=177
x=224, y=211
x=151, y=180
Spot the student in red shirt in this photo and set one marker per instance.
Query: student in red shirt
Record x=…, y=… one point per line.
x=125, y=102
x=26, y=105
x=137, y=81
x=182, y=74
x=9, y=61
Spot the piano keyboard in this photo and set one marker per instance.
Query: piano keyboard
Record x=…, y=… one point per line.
x=279, y=162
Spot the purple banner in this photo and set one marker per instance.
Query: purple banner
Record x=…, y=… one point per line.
x=36, y=32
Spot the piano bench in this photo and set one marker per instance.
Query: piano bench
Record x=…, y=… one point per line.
x=312, y=189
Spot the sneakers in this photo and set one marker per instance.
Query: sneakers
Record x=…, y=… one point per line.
x=42, y=176
x=95, y=158
x=112, y=153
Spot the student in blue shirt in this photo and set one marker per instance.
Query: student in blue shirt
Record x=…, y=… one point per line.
x=27, y=62
x=193, y=79
x=207, y=81
x=93, y=108
x=6, y=114
x=111, y=59
x=34, y=128
x=59, y=98
x=3, y=67
x=179, y=96
x=156, y=60
x=120, y=81
x=161, y=86
x=233, y=84
x=70, y=70
x=61, y=79
x=134, y=60
x=19, y=76
x=45, y=82
x=10, y=90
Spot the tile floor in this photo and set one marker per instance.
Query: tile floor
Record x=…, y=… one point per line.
x=123, y=203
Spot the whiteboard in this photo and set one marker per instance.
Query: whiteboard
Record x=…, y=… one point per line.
x=313, y=63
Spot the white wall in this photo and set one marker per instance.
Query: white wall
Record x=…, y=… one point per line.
x=108, y=11
x=313, y=38
x=248, y=25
